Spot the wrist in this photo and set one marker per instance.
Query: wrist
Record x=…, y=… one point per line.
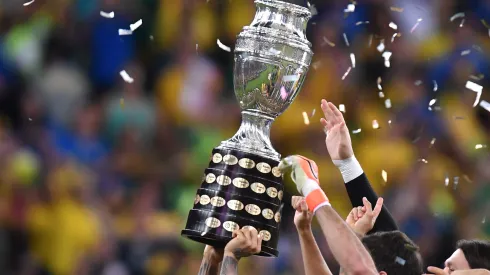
x=350, y=168
x=230, y=255
x=303, y=229
x=316, y=199
x=212, y=258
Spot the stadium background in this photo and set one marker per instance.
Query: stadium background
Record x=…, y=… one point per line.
x=97, y=175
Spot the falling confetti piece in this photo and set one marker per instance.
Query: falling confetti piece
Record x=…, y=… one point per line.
x=284, y=94
x=432, y=101
x=436, y=87
x=388, y=103
x=456, y=16
x=28, y=3
x=313, y=112
x=381, y=95
x=465, y=52
x=125, y=32
x=356, y=131
x=446, y=180
x=456, y=181
x=400, y=261
x=480, y=146
x=136, y=25
x=418, y=82
x=416, y=25
x=346, y=73
x=393, y=26
x=290, y=78
x=126, y=76
x=306, y=119
x=375, y=124
x=223, y=47
x=462, y=23
x=362, y=22
x=478, y=89
x=397, y=9
x=353, y=60
x=395, y=35
x=350, y=8
x=342, y=108
x=423, y=160
x=384, y=175
x=379, y=83
x=330, y=43
x=381, y=46
x=121, y=102
x=346, y=40
x=370, y=40
x=432, y=142
x=107, y=14
x=485, y=105
x=387, y=56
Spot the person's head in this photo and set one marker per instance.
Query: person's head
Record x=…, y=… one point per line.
x=469, y=254
x=394, y=253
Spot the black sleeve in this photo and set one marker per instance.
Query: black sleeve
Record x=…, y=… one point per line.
x=359, y=188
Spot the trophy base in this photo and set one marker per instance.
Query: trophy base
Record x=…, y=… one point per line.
x=238, y=189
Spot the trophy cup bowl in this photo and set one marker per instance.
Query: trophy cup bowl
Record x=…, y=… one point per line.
x=242, y=185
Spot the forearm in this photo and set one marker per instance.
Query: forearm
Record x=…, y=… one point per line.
x=344, y=244
x=208, y=267
x=312, y=257
x=229, y=265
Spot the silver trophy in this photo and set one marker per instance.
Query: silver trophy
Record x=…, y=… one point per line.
x=242, y=185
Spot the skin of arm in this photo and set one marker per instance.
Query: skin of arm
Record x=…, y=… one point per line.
x=210, y=261
x=245, y=242
x=438, y=271
x=313, y=260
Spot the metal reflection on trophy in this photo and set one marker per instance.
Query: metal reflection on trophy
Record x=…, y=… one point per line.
x=242, y=184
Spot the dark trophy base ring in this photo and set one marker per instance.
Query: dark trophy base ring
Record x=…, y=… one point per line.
x=238, y=189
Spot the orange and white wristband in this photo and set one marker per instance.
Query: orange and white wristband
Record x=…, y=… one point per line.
x=314, y=195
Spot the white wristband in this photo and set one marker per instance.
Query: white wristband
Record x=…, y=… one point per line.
x=321, y=205
x=308, y=187
x=350, y=168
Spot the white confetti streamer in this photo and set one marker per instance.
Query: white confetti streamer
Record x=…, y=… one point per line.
x=370, y=40
x=478, y=89
x=136, y=25
x=330, y=43
x=346, y=40
x=306, y=119
x=416, y=25
x=400, y=261
x=465, y=52
x=432, y=142
x=462, y=23
x=107, y=14
x=28, y=3
x=353, y=60
x=223, y=47
x=346, y=73
x=342, y=108
x=480, y=146
x=446, y=180
x=290, y=78
x=384, y=175
x=125, y=76
x=485, y=105
x=432, y=102
x=393, y=37
x=379, y=83
x=388, y=103
x=362, y=22
x=456, y=16
x=387, y=56
x=375, y=124
x=125, y=32
x=381, y=47
x=381, y=95
x=313, y=112
x=436, y=87
x=356, y=131
x=393, y=26
x=350, y=8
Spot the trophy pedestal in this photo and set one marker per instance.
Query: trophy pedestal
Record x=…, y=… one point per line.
x=238, y=189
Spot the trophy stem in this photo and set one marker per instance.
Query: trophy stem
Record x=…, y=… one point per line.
x=253, y=136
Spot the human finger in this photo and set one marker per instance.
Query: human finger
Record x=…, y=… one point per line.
x=368, y=205
x=360, y=213
x=295, y=202
x=378, y=207
x=436, y=270
x=329, y=115
x=355, y=213
x=338, y=115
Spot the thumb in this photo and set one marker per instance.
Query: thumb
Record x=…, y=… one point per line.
x=304, y=207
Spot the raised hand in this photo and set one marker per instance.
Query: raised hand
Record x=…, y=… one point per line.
x=338, y=140
x=362, y=219
x=245, y=242
x=302, y=217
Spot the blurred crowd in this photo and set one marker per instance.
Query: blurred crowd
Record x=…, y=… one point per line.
x=98, y=174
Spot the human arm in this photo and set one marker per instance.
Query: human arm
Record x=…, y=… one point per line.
x=339, y=146
x=210, y=261
x=344, y=244
x=313, y=260
x=438, y=271
x=245, y=242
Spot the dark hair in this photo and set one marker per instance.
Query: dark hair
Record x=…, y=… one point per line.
x=476, y=252
x=394, y=253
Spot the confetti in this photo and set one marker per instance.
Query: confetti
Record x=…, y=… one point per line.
x=342, y=108
x=375, y=124
x=478, y=89
x=330, y=43
x=136, y=25
x=313, y=112
x=388, y=103
x=126, y=76
x=306, y=119
x=223, y=47
x=416, y=25
x=400, y=261
x=346, y=73
x=432, y=102
x=423, y=160
x=30, y=119
x=384, y=175
x=397, y=9
x=353, y=60
x=356, y=131
x=456, y=181
x=485, y=105
x=418, y=82
x=381, y=95
x=432, y=142
x=125, y=32
x=107, y=14
x=362, y=22
x=394, y=36
x=346, y=40
x=370, y=40
x=393, y=26
x=436, y=87
x=462, y=23
x=290, y=78
x=350, y=8
x=284, y=94
x=379, y=83
x=479, y=146
x=121, y=102
x=456, y=16
x=28, y=3
x=446, y=180
x=387, y=56
x=381, y=46
x=465, y=52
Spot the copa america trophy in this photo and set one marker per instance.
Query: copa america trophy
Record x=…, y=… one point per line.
x=242, y=185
